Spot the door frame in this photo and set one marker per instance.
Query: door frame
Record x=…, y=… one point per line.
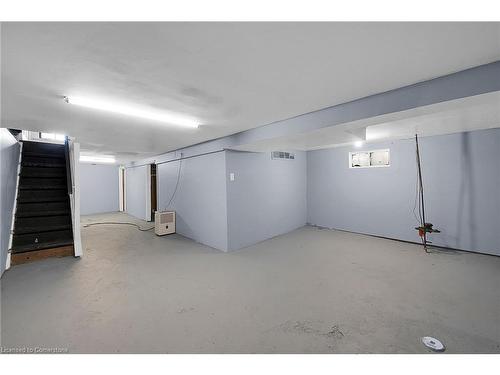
x=122, y=186
x=153, y=187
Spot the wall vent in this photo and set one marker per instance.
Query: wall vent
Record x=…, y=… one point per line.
x=282, y=155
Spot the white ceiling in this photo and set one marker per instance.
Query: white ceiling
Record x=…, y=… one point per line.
x=230, y=76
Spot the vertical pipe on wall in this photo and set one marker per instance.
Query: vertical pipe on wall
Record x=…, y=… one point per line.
x=421, y=206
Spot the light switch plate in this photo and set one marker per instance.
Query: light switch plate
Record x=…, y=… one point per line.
x=231, y=176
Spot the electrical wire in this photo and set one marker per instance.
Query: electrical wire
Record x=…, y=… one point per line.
x=420, y=195
x=116, y=223
x=415, y=203
x=176, y=184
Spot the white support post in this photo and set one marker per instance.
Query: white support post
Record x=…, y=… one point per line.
x=75, y=197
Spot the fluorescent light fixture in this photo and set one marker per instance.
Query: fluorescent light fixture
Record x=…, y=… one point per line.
x=97, y=159
x=358, y=144
x=127, y=110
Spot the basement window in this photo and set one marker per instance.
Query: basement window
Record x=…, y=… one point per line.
x=52, y=136
x=369, y=159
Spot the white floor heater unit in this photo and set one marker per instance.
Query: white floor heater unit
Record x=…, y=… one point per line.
x=164, y=223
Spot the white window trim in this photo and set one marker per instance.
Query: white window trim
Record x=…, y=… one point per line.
x=369, y=166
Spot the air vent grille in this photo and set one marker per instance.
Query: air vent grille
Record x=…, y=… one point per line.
x=282, y=155
x=166, y=217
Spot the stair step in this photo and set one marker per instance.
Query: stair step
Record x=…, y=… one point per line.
x=31, y=183
x=26, y=225
x=39, y=196
x=34, y=160
x=40, y=246
x=39, y=254
x=44, y=155
x=44, y=213
x=43, y=209
x=34, y=172
x=36, y=241
x=43, y=147
x=20, y=230
x=45, y=163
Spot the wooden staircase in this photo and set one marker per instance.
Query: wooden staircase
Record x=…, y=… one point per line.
x=42, y=224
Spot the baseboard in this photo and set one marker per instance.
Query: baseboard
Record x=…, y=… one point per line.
x=405, y=241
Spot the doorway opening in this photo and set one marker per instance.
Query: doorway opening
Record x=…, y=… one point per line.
x=153, y=192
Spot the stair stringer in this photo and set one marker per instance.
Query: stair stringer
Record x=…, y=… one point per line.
x=74, y=154
x=14, y=209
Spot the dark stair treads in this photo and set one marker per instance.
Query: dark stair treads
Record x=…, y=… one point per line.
x=35, y=161
x=28, y=196
x=43, y=209
x=37, y=241
x=37, y=172
x=43, y=172
x=42, y=147
x=44, y=155
x=43, y=163
x=25, y=225
x=43, y=212
x=31, y=183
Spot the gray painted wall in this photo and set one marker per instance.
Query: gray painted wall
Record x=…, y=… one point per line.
x=9, y=159
x=482, y=79
x=137, y=192
x=200, y=201
x=99, y=188
x=461, y=179
x=267, y=197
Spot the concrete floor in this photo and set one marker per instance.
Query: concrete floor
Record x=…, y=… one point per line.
x=309, y=291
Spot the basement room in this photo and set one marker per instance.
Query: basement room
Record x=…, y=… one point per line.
x=250, y=187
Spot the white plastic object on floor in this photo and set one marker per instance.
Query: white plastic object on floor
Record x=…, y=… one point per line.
x=164, y=222
x=433, y=344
